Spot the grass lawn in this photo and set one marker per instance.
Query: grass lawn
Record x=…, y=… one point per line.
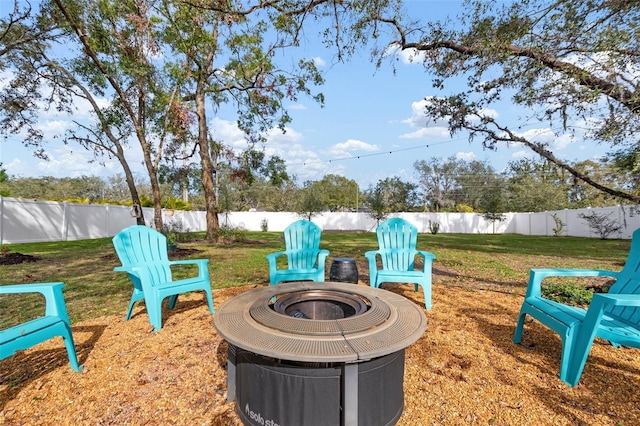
x=465, y=369
x=497, y=262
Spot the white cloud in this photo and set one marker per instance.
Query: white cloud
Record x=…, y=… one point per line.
x=548, y=137
x=53, y=128
x=288, y=137
x=16, y=167
x=345, y=149
x=490, y=113
x=319, y=62
x=523, y=153
x=540, y=135
x=426, y=127
x=427, y=133
x=5, y=76
x=406, y=56
x=227, y=132
x=430, y=128
x=466, y=156
x=300, y=160
x=418, y=115
x=63, y=162
x=563, y=141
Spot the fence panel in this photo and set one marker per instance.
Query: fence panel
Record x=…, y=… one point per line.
x=24, y=221
x=28, y=221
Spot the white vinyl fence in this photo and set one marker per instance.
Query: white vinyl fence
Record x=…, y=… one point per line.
x=23, y=221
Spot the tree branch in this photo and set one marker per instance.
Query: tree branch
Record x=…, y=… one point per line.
x=507, y=135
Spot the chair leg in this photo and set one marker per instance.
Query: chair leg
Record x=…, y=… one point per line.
x=567, y=341
x=568, y=346
x=154, y=311
x=426, y=290
x=373, y=280
x=135, y=296
x=130, y=310
x=172, y=301
x=517, y=337
x=71, y=349
x=581, y=341
x=207, y=293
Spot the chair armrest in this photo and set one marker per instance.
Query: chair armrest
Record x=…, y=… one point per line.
x=373, y=267
x=272, y=258
x=189, y=262
x=141, y=271
x=130, y=268
x=618, y=299
x=371, y=255
x=425, y=254
x=537, y=275
x=52, y=293
x=203, y=272
x=42, y=288
x=276, y=254
x=427, y=258
x=322, y=257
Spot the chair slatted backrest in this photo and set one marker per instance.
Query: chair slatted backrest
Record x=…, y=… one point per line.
x=302, y=242
x=628, y=282
x=141, y=245
x=397, y=240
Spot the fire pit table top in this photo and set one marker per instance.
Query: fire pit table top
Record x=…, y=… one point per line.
x=390, y=323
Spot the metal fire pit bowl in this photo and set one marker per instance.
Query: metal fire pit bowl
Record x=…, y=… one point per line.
x=320, y=305
x=309, y=353
x=391, y=323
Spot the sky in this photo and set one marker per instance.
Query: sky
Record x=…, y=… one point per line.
x=371, y=127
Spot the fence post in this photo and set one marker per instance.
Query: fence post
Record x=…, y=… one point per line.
x=65, y=221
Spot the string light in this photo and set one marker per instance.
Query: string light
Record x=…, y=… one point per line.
x=375, y=154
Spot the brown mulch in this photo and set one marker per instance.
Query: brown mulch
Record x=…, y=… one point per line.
x=465, y=370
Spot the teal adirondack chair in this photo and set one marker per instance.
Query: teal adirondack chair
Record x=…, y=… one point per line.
x=305, y=259
x=55, y=322
x=143, y=254
x=397, y=240
x=612, y=316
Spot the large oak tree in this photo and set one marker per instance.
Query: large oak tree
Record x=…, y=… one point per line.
x=573, y=65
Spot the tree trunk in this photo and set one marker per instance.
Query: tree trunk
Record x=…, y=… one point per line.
x=135, y=197
x=206, y=163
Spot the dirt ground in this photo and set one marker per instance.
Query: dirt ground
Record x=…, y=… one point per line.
x=465, y=370
x=11, y=258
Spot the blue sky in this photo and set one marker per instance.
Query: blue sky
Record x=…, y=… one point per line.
x=371, y=127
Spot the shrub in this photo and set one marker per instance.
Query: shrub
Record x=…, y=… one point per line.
x=464, y=208
x=434, y=227
x=569, y=293
x=601, y=224
x=230, y=234
x=557, y=231
x=172, y=231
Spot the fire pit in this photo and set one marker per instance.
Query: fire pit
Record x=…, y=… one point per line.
x=310, y=353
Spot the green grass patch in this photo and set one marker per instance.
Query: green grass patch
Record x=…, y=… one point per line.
x=476, y=261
